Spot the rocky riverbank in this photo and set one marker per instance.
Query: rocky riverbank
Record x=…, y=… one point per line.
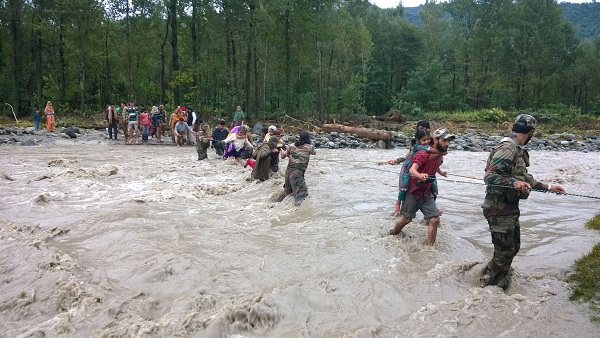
x=470, y=140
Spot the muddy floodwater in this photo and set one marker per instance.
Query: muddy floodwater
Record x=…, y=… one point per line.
x=108, y=240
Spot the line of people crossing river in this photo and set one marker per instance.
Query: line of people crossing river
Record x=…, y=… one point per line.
x=506, y=175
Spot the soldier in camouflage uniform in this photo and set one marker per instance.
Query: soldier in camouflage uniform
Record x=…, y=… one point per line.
x=299, y=156
x=508, y=182
x=203, y=139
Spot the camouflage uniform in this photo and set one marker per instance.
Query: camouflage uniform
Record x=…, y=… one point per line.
x=506, y=164
x=262, y=154
x=202, y=142
x=294, y=174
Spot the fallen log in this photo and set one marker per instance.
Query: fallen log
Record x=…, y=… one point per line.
x=368, y=133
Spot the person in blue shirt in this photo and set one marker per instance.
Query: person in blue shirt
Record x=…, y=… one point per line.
x=219, y=134
x=36, y=119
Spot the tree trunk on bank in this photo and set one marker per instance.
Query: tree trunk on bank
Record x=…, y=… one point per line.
x=368, y=133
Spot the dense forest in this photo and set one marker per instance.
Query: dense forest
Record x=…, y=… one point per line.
x=309, y=59
x=585, y=17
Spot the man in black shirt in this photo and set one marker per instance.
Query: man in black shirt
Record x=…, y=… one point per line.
x=219, y=134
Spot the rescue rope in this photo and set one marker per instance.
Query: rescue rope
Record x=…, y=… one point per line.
x=433, y=178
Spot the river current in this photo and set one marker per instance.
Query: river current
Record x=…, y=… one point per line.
x=110, y=240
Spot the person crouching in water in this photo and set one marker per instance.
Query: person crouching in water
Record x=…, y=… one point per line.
x=239, y=142
x=299, y=155
x=180, y=131
x=203, y=139
x=262, y=154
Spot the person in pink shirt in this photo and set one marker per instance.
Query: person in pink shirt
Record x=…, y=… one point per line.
x=146, y=122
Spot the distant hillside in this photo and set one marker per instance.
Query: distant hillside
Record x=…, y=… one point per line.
x=412, y=15
x=585, y=17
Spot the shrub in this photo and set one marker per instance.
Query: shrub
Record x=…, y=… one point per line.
x=586, y=279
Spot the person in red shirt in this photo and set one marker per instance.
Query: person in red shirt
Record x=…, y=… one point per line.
x=146, y=123
x=419, y=196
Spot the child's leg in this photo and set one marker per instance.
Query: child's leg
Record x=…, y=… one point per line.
x=250, y=162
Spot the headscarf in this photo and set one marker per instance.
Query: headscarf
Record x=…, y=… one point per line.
x=242, y=128
x=303, y=139
x=49, y=108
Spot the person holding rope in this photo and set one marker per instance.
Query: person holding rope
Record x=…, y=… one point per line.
x=415, y=145
x=508, y=182
x=299, y=156
x=419, y=196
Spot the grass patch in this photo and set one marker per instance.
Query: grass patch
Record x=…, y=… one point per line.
x=594, y=223
x=586, y=279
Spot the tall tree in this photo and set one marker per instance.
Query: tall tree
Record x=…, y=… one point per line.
x=177, y=99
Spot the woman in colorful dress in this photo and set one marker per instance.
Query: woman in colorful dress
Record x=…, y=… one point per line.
x=49, y=111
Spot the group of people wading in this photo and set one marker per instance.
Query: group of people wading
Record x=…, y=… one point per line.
x=236, y=144
x=507, y=182
x=506, y=174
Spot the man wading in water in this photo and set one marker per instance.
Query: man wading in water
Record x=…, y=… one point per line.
x=419, y=197
x=508, y=182
x=299, y=156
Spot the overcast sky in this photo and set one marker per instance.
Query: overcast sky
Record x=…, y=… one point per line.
x=415, y=3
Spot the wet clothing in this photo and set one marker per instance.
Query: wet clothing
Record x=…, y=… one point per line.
x=419, y=195
x=274, y=162
x=202, y=144
x=262, y=155
x=427, y=207
x=299, y=157
x=237, y=147
x=430, y=166
x=218, y=136
x=507, y=163
x=404, y=179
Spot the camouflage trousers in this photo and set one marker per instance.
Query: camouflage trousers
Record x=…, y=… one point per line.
x=295, y=185
x=503, y=220
x=202, y=153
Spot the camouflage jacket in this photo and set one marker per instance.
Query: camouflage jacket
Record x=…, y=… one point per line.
x=202, y=140
x=508, y=163
x=299, y=156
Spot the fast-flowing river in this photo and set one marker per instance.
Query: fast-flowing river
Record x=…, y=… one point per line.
x=111, y=240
